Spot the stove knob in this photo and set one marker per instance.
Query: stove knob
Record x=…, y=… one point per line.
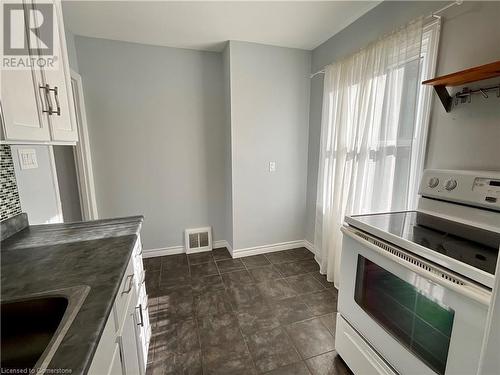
x=450, y=185
x=433, y=182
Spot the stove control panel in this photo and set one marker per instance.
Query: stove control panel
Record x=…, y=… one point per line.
x=474, y=188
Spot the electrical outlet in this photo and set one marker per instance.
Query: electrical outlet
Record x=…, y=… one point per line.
x=27, y=158
x=272, y=166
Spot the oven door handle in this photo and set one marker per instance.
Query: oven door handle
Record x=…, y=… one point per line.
x=467, y=290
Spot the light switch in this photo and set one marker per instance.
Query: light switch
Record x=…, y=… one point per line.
x=27, y=158
x=272, y=166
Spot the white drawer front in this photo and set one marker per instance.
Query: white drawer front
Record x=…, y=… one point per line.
x=357, y=353
x=143, y=326
x=105, y=349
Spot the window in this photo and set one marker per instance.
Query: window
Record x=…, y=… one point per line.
x=373, y=132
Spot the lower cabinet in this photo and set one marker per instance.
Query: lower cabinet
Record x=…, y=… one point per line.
x=143, y=327
x=107, y=358
x=123, y=347
x=115, y=368
x=129, y=343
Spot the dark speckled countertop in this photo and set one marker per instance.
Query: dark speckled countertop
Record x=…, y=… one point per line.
x=41, y=258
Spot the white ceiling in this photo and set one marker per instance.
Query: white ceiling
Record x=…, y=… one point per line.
x=207, y=25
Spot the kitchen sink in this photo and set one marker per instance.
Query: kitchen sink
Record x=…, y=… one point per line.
x=33, y=326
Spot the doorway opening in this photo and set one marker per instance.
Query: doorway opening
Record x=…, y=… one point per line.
x=67, y=181
x=73, y=166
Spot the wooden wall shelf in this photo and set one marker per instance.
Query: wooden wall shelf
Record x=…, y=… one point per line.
x=463, y=77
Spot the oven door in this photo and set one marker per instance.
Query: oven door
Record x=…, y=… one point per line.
x=419, y=318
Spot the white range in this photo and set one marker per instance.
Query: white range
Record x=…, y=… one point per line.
x=415, y=286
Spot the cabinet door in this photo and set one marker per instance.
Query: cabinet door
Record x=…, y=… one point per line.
x=63, y=125
x=21, y=103
x=143, y=328
x=128, y=339
x=116, y=367
x=107, y=357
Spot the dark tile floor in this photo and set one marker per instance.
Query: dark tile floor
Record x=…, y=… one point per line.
x=211, y=314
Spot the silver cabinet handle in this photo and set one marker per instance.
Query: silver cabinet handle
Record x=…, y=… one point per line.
x=130, y=284
x=46, y=89
x=46, y=93
x=56, y=96
x=141, y=323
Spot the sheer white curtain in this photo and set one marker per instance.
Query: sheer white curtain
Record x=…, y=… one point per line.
x=367, y=137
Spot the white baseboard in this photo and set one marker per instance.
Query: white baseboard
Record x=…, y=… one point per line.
x=238, y=253
x=309, y=246
x=235, y=253
x=151, y=253
x=221, y=243
x=202, y=250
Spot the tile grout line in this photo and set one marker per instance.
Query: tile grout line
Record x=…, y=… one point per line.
x=318, y=355
x=235, y=313
x=324, y=325
x=246, y=344
x=198, y=332
x=266, y=301
x=304, y=358
x=199, y=337
x=283, y=326
x=293, y=344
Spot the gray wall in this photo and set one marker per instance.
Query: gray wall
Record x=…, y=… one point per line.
x=466, y=138
x=469, y=136
x=269, y=122
x=382, y=19
x=67, y=181
x=70, y=46
x=37, y=186
x=157, y=134
x=313, y=156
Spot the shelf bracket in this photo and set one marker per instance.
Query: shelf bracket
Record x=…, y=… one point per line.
x=445, y=98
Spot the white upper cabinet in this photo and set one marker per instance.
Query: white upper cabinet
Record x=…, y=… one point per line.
x=37, y=103
x=62, y=125
x=21, y=103
x=22, y=106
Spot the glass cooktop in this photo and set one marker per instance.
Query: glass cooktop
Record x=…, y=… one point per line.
x=474, y=246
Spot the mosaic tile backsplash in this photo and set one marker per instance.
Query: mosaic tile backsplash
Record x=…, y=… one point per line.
x=10, y=204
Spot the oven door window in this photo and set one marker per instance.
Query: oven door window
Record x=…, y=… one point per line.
x=421, y=324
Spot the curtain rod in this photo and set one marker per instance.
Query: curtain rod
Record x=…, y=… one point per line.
x=322, y=71
x=434, y=14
